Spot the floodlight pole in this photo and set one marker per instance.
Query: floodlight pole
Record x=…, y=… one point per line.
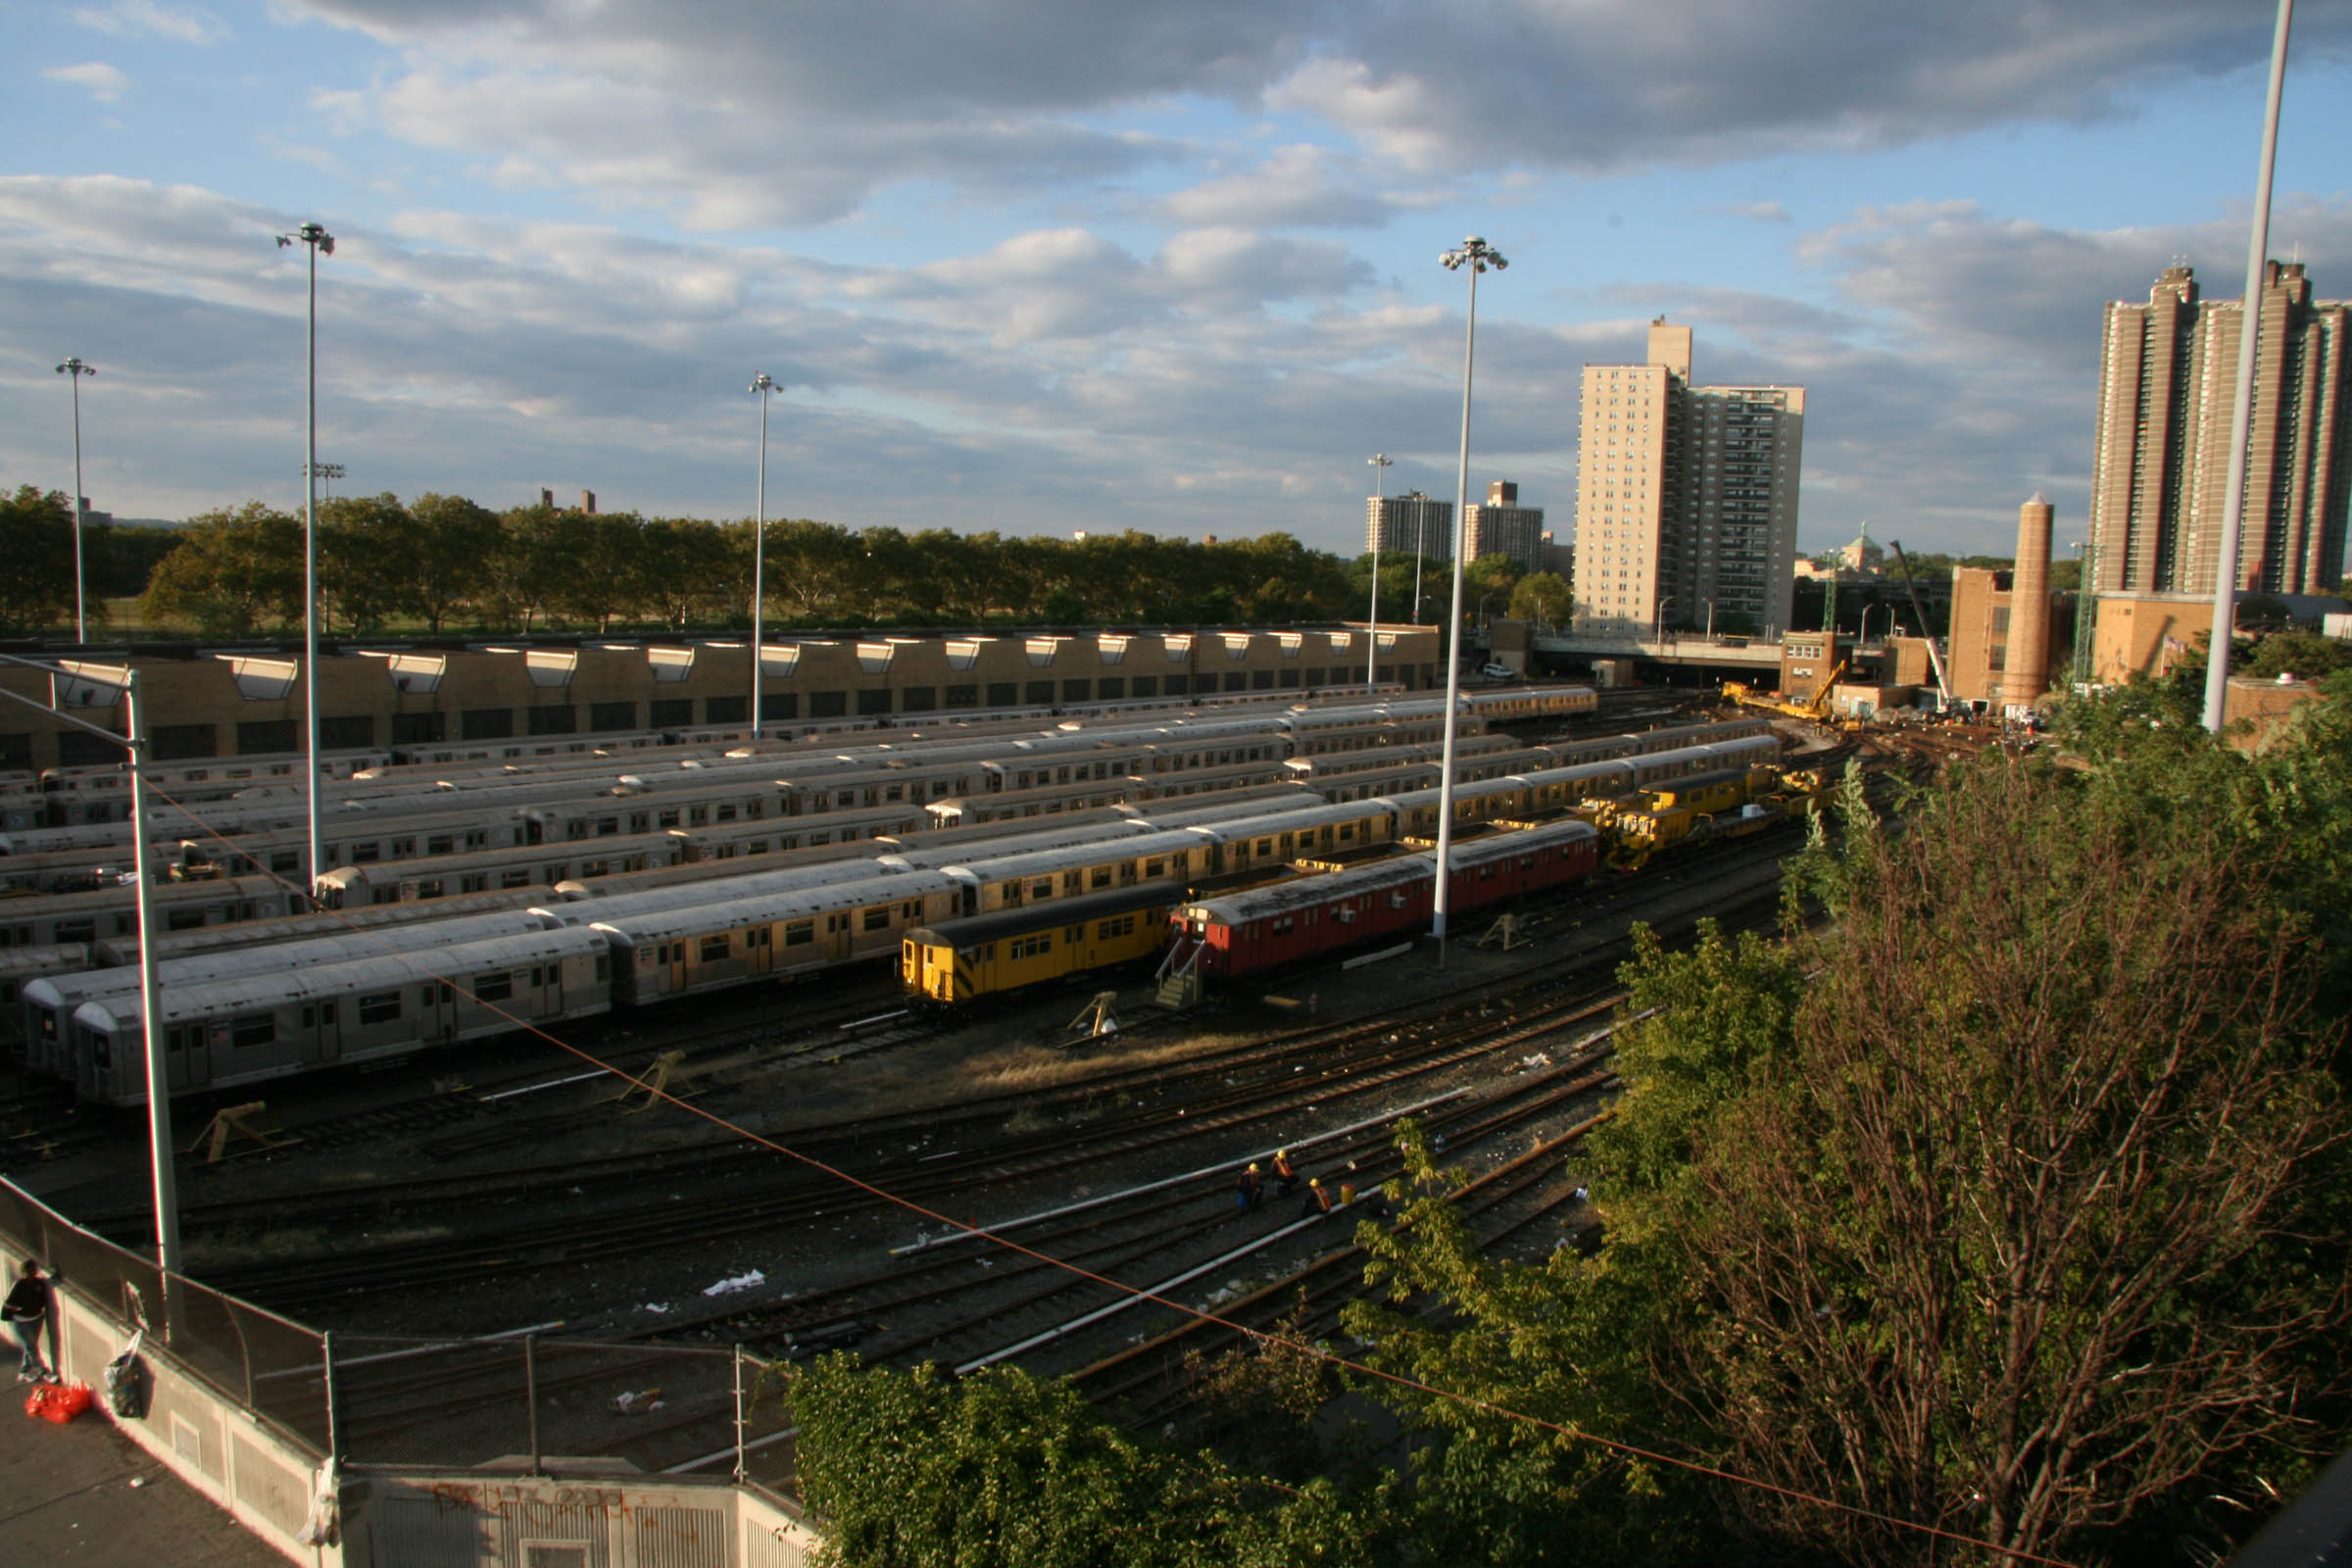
x=158, y=1078
x=2241, y=417
x=1476, y=256
x=763, y=384
x=75, y=369
x=313, y=238
x=1381, y=463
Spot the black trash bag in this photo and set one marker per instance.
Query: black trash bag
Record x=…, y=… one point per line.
x=126, y=1387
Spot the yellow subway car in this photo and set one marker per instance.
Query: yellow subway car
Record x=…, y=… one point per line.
x=954, y=963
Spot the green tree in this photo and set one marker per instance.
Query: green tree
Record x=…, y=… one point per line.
x=597, y=560
x=2303, y=653
x=912, y=1471
x=682, y=571
x=522, y=574
x=366, y=547
x=36, y=569
x=455, y=542
x=2009, y=1204
x=1544, y=599
x=233, y=572
x=131, y=558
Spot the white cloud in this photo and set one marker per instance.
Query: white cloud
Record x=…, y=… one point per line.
x=739, y=115
x=104, y=82
x=135, y=19
x=1296, y=186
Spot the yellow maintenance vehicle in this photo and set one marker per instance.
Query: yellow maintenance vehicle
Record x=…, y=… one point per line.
x=1816, y=709
x=1689, y=810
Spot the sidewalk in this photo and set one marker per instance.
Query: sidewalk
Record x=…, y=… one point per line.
x=67, y=1497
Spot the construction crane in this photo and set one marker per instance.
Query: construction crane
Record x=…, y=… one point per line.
x=1943, y=687
x=1814, y=708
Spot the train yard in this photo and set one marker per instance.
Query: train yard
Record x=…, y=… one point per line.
x=804, y=1182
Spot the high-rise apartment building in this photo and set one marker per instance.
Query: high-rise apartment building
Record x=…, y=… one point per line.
x=1685, y=506
x=2168, y=387
x=1501, y=526
x=1409, y=523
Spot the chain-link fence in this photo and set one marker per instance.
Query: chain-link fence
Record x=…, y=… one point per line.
x=270, y=1366
x=517, y=1401
x=528, y=1401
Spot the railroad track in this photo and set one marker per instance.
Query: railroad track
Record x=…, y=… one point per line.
x=972, y=1129
x=935, y=1303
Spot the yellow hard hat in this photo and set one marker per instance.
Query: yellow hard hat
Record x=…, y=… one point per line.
x=1314, y=1181
x=1253, y=1167
x=1282, y=1154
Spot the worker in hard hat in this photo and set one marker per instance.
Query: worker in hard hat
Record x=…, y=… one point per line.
x=1318, y=1199
x=1283, y=1171
x=1248, y=1188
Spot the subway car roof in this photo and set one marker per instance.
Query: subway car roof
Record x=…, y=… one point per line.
x=259, y=993
x=973, y=929
x=663, y=925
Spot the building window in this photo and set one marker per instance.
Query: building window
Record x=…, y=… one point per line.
x=781, y=706
x=611, y=715
x=917, y=699
x=1077, y=691
x=963, y=696
x=485, y=724
x=829, y=704
x=352, y=733
x=670, y=712
x=875, y=701
x=174, y=741
x=560, y=720
x=419, y=729
x=1147, y=685
x=273, y=735
x=727, y=709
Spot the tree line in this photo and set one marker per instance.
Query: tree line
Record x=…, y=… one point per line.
x=1999, y=1217
x=439, y=562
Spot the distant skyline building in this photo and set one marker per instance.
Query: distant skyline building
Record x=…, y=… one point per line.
x=1501, y=526
x=1687, y=495
x=1409, y=522
x=2168, y=386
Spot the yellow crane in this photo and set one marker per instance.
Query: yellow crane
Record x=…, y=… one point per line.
x=1815, y=709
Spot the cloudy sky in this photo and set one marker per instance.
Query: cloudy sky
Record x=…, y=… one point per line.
x=1044, y=265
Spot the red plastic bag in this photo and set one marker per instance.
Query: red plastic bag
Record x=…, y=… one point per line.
x=58, y=1404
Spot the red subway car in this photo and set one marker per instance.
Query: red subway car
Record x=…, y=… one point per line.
x=1311, y=915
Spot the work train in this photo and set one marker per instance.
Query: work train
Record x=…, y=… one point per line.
x=238, y=1018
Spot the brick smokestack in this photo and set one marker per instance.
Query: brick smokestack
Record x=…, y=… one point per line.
x=2026, y=674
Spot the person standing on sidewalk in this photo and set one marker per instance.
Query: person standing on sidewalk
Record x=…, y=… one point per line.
x=26, y=1313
